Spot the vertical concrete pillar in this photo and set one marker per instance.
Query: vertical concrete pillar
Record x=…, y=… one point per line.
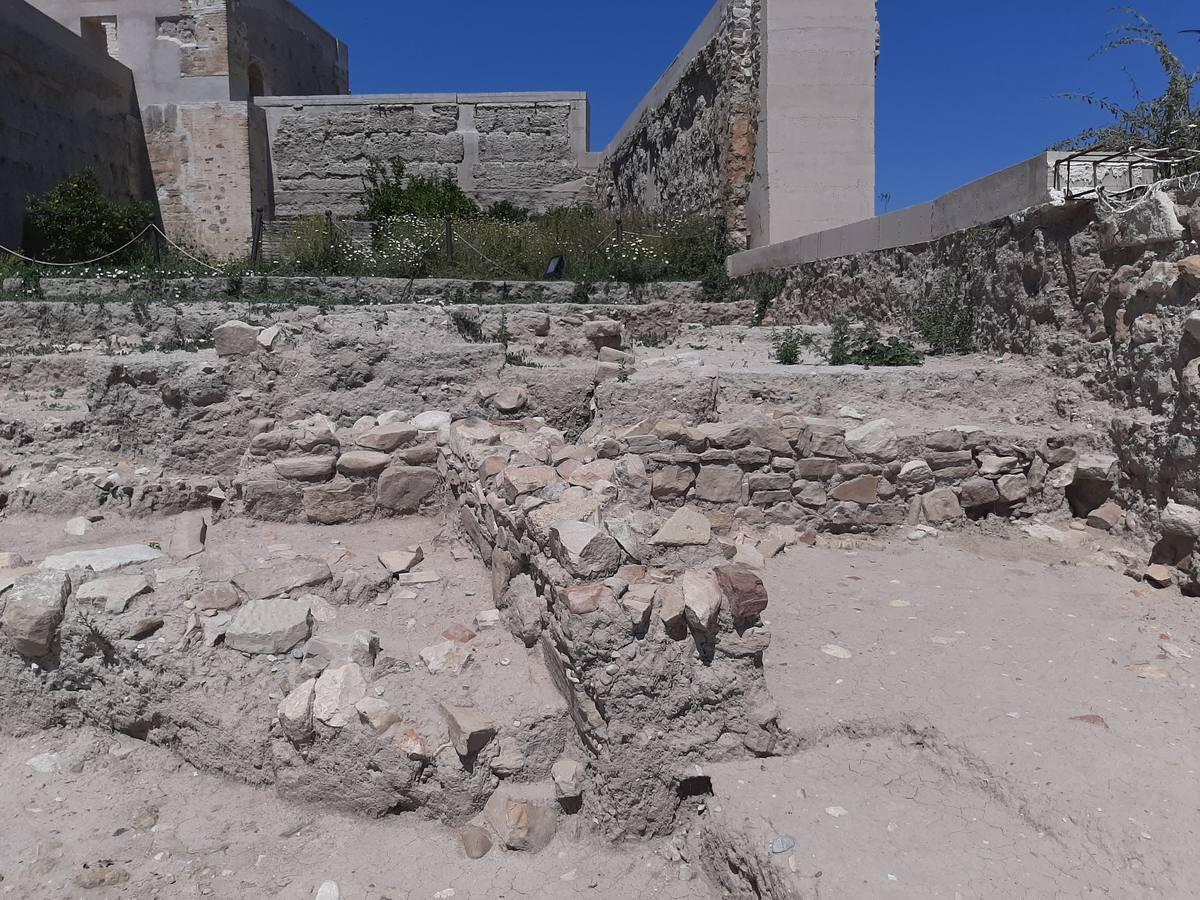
x=816, y=151
x=470, y=136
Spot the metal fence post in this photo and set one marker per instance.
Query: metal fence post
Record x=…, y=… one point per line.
x=449, y=238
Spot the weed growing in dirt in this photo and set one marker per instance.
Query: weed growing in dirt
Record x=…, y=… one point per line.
x=520, y=359
x=862, y=345
x=786, y=345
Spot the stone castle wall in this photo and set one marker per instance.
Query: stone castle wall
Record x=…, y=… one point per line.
x=691, y=146
x=201, y=153
x=529, y=149
x=64, y=107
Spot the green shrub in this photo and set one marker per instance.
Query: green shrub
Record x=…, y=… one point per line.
x=75, y=222
x=945, y=319
x=504, y=211
x=390, y=191
x=786, y=345
x=311, y=245
x=520, y=359
x=861, y=345
x=1168, y=121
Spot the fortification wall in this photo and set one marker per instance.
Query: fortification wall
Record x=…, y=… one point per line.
x=690, y=145
x=292, y=53
x=65, y=107
x=529, y=149
x=202, y=165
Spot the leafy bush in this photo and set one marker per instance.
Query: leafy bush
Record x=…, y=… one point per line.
x=311, y=245
x=861, y=345
x=75, y=222
x=504, y=211
x=597, y=248
x=945, y=320
x=786, y=345
x=1170, y=120
x=390, y=191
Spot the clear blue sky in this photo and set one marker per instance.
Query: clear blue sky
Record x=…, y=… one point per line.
x=965, y=87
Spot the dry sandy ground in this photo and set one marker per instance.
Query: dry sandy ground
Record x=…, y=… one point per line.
x=982, y=718
x=179, y=833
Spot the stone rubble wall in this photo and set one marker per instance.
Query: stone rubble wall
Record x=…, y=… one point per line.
x=691, y=149
x=528, y=149
x=201, y=155
x=1106, y=297
x=620, y=555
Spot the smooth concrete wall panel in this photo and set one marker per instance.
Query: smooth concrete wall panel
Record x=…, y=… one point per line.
x=1020, y=187
x=65, y=106
x=1004, y=192
x=818, y=101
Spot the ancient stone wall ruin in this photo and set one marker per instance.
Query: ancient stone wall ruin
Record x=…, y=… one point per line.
x=529, y=149
x=1104, y=295
x=691, y=146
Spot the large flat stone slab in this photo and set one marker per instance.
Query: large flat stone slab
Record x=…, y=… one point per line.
x=282, y=577
x=268, y=626
x=108, y=559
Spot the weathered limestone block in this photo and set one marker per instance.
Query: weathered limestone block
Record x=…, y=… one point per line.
x=719, y=484
x=337, y=501
x=584, y=550
x=336, y=694
x=362, y=463
x=687, y=527
x=979, y=492
x=402, y=489
x=296, y=712
x=236, y=339
x=276, y=580
x=672, y=482
x=876, y=440
x=1152, y=221
x=701, y=600
x=268, y=626
x=306, y=468
x=469, y=729
x=743, y=589
x=517, y=481
x=525, y=610
x=941, y=506
x=816, y=469
x=916, y=477
x=189, y=532
x=33, y=611
x=1178, y=520
x=863, y=490
x=218, y=595
x=1013, y=488
x=113, y=593
x=510, y=400
x=273, y=500
x=387, y=438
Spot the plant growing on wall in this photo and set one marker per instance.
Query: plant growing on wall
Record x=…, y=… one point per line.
x=1170, y=120
x=75, y=222
x=389, y=191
